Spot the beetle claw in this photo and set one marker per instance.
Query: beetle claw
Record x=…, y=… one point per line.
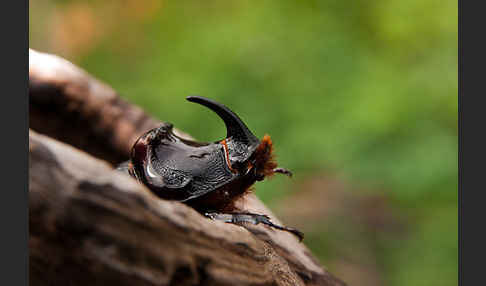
x=237, y=218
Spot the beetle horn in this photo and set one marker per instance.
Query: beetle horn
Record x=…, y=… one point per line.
x=235, y=128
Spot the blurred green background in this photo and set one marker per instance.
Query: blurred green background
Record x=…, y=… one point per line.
x=360, y=98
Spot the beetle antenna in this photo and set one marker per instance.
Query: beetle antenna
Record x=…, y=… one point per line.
x=283, y=171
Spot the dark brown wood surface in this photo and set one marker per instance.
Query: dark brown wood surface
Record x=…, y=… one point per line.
x=90, y=225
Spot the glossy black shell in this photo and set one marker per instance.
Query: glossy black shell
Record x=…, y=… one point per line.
x=178, y=169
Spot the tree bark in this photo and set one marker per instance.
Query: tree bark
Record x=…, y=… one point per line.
x=91, y=225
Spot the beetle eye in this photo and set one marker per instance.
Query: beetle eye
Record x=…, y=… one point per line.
x=238, y=166
x=259, y=177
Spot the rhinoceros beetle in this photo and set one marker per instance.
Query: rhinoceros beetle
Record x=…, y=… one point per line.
x=206, y=176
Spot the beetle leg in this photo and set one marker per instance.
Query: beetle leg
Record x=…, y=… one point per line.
x=283, y=171
x=251, y=218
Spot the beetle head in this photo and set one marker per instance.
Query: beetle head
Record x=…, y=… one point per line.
x=241, y=142
x=246, y=153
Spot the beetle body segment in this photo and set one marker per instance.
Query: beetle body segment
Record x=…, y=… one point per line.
x=178, y=169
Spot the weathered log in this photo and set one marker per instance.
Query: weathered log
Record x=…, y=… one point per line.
x=92, y=225
x=68, y=104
